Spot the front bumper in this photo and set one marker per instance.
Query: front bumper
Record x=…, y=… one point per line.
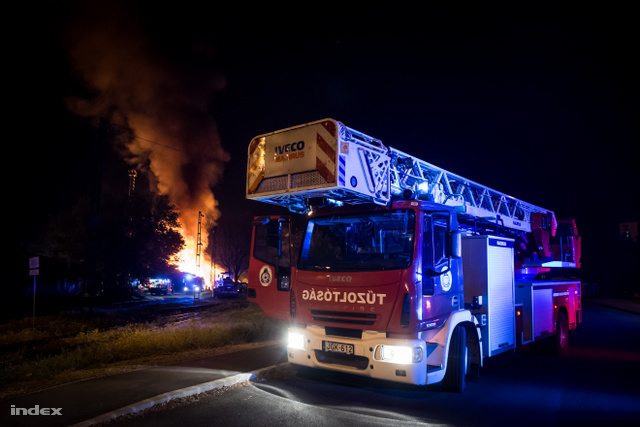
x=373, y=355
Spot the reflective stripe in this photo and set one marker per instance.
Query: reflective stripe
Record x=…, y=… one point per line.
x=325, y=159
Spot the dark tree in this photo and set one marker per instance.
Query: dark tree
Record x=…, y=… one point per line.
x=230, y=244
x=137, y=237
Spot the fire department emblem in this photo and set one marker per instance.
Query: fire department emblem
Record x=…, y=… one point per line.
x=265, y=276
x=445, y=281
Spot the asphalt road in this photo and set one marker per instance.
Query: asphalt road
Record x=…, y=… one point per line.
x=595, y=385
x=85, y=402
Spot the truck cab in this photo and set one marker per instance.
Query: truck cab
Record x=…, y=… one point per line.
x=369, y=285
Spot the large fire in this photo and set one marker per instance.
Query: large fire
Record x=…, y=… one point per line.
x=194, y=260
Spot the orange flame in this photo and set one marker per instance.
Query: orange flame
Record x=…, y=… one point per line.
x=187, y=260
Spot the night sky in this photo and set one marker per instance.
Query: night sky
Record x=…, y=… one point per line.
x=539, y=103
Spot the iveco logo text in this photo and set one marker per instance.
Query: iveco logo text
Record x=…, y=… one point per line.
x=368, y=297
x=344, y=279
x=501, y=243
x=293, y=150
x=36, y=410
x=290, y=148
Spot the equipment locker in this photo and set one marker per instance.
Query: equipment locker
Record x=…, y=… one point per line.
x=489, y=290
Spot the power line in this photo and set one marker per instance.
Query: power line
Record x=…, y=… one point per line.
x=159, y=144
x=148, y=140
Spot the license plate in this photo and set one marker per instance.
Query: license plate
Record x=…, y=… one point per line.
x=337, y=347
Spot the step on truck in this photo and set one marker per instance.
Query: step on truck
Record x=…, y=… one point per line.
x=403, y=271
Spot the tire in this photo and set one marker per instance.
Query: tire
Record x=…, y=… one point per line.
x=455, y=379
x=561, y=339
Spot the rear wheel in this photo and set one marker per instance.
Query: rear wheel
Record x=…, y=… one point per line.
x=455, y=379
x=561, y=339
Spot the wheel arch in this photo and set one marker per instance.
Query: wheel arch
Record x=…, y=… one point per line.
x=562, y=309
x=465, y=319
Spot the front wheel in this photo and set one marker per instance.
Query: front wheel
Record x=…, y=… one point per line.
x=455, y=379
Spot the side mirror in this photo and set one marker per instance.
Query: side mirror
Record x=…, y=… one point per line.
x=455, y=244
x=260, y=220
x=430, y=272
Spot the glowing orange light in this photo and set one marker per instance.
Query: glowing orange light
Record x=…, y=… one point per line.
x=186, y=261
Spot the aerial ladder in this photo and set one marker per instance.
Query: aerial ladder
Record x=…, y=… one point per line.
x=386, y=171
x=346, y=166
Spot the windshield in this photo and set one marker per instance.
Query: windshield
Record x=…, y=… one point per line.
x=372, y=241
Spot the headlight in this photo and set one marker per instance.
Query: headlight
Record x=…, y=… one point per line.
x=197, y=289
x=401, y=354
x=186, y=288
x=296, y=341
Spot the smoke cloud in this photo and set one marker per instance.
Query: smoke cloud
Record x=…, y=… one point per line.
x=147, y=74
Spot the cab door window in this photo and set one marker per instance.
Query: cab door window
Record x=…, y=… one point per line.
x=272, y=246
x=434, y=249
x=271, y=243
x=440, y=231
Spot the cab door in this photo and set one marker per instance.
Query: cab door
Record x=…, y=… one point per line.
x=270, y=266
x=442, y=285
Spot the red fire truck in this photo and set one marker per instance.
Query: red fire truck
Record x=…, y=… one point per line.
x=404, y=271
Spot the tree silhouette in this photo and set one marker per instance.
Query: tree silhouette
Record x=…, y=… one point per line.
x=230, y=243
x=137, y=237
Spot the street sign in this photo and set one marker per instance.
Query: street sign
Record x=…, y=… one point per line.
x=34, y=270
x=34, y=266
x=34, y=262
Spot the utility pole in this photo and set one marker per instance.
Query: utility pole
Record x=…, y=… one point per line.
x=212, y=271
x=199, y=252
x=132, y=188
x=132, y=182
x=131, y=192
x=103, y=139
x=199, y=241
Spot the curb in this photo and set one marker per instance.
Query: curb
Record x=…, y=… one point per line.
x=175, y=394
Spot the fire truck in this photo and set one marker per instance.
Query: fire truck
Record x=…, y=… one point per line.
x=403, y=271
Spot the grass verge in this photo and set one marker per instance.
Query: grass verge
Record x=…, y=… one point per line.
x=150, y=342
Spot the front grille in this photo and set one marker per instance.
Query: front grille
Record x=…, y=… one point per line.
x=358, y=362
x=350, y=318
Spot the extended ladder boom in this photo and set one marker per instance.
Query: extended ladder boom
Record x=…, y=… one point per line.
x=328, y=160
x=469, y=197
